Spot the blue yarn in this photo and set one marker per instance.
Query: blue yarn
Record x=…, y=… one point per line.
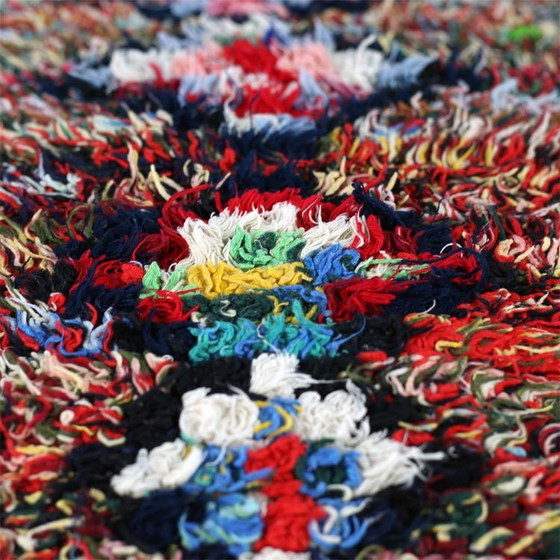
x=332, y=263
x=231, y=519
x=305, y=294
x=291, y=406
x=320, y=461
x=223, y=471
x=405, y=73
x=270, y=413
x=35, y=331
x=351, y=530
x=46, y=333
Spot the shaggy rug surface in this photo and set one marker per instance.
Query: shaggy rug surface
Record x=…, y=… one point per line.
x=279, y=280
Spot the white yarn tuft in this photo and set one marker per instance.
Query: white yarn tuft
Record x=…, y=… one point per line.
x=165, y=466
x=360, y=66
x=276, y=375
x=219, y=419
x=341, y=231
x=341, y=416
x=205, y=240
x=386, y=462
x=209, y=241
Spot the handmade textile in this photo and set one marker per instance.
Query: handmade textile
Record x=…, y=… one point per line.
x=279, y=280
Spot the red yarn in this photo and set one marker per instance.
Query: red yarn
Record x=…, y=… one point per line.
x=167, y=245
x=286, y=523
x=282, y=456
x=167, y=307
x=251, y=57
x=116, y=274
x=374, y=236
x=346, y=298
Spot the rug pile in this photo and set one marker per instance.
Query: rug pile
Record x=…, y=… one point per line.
x=279, y=280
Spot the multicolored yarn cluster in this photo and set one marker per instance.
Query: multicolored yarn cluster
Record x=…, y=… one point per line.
x=279, y=280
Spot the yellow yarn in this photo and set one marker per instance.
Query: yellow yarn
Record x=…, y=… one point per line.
x=220, y=279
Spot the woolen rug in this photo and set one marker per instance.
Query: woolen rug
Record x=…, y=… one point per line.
x=279, y=279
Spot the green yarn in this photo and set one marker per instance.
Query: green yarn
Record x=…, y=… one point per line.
x=258, y=249
x=175, y=278
x=521, y=32
x=152, y=277
x=221, y=340
x=153, y=281
x=254, y=307
x=305, y=338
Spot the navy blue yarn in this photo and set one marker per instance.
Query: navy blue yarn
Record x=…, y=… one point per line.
x=196, y=113
x=84, y=89
x=48, y=166
x=244, y=177
x=93, y=465
x=388, y=218
x=120, y=300
x=387, y=409
x=175, y=339
x=322, y=5
x=25, y=208
x=76, y=299
x=152, y=418
x=220, y=376
x=119, y=236
x=461, y=467
x=454, y=72
x=51, y=86
x=153, y=525
x=318, y=554
x=387, y=333
x=292, y=144
x=129, y=42
x=114, y=237
x=439, y=289
x=159, y=12
x=35, y=285
x=353, y=108
x=272, y=36
x=71, y=249
x=434, y=237
x=129, y=333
